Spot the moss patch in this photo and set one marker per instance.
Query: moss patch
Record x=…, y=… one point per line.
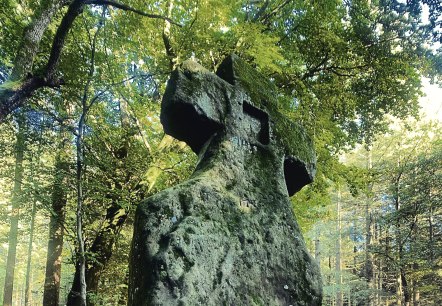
x=263, y=94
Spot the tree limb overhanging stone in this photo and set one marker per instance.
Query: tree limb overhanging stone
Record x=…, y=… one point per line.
x=227, y=236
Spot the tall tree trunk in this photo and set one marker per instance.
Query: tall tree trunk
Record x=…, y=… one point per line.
x=379, y=269
x=415, y=266
x=78, y=294
x=339, y=295
x=104, y=241
x=79, y=214
x=29, y=260
x=404, y=282
x=403, y=290
x=431, y=233
x=51, y=294
x=368, y=271
x=416, y=292
x=15, y=201
x=35, y=184
x=405, y=287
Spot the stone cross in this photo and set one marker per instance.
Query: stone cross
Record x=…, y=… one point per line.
x=240, y=104
x=227, y=235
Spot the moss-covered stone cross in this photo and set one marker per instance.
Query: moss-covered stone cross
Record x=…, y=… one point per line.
x=239, y=106
x=227, y=235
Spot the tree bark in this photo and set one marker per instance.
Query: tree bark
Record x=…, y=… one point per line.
x=32, y=36
x=51, y=294
x=405, y=287
x=13, y=231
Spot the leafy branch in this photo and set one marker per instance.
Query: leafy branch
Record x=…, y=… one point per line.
x=14, y=93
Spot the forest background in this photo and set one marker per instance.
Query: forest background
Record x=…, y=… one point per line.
x=81, y=143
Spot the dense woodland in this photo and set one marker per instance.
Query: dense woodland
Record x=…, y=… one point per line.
x=81, y=143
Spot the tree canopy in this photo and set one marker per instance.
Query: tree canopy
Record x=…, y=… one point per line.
x=93, y=72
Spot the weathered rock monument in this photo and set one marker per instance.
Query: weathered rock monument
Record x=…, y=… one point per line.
x=227, y=236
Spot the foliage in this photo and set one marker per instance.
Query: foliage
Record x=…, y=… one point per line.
x=393, y=228
x=341, y=69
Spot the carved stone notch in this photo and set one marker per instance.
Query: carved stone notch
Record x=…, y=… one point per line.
x=227, y=236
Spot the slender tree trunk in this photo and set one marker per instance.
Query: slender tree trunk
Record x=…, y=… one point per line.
x=405, y=287
x=78, y=294
x=51, y=294
x=368, y=273
x=318, y=251
x=339, y=295
x=13, y=231
x=330, y=268
x=416, y=293
x=29, y=261
x=413, y=250
x=32, y=225
x=79, y=214
x=431, y=234
x=376, y=266
x=402, y=277
x=104, y=241
x=399, y=289
x=380, y=278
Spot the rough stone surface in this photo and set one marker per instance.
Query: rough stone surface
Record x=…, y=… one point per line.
x=227, y=236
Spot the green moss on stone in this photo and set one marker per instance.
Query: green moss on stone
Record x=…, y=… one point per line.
x=263, y=94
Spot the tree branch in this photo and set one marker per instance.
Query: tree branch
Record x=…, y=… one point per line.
x=75, y=9
x=14, y=98
x=311, y=72
x=131, y=9
x=15, y=95
x=264, y=18
x=167, y=40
